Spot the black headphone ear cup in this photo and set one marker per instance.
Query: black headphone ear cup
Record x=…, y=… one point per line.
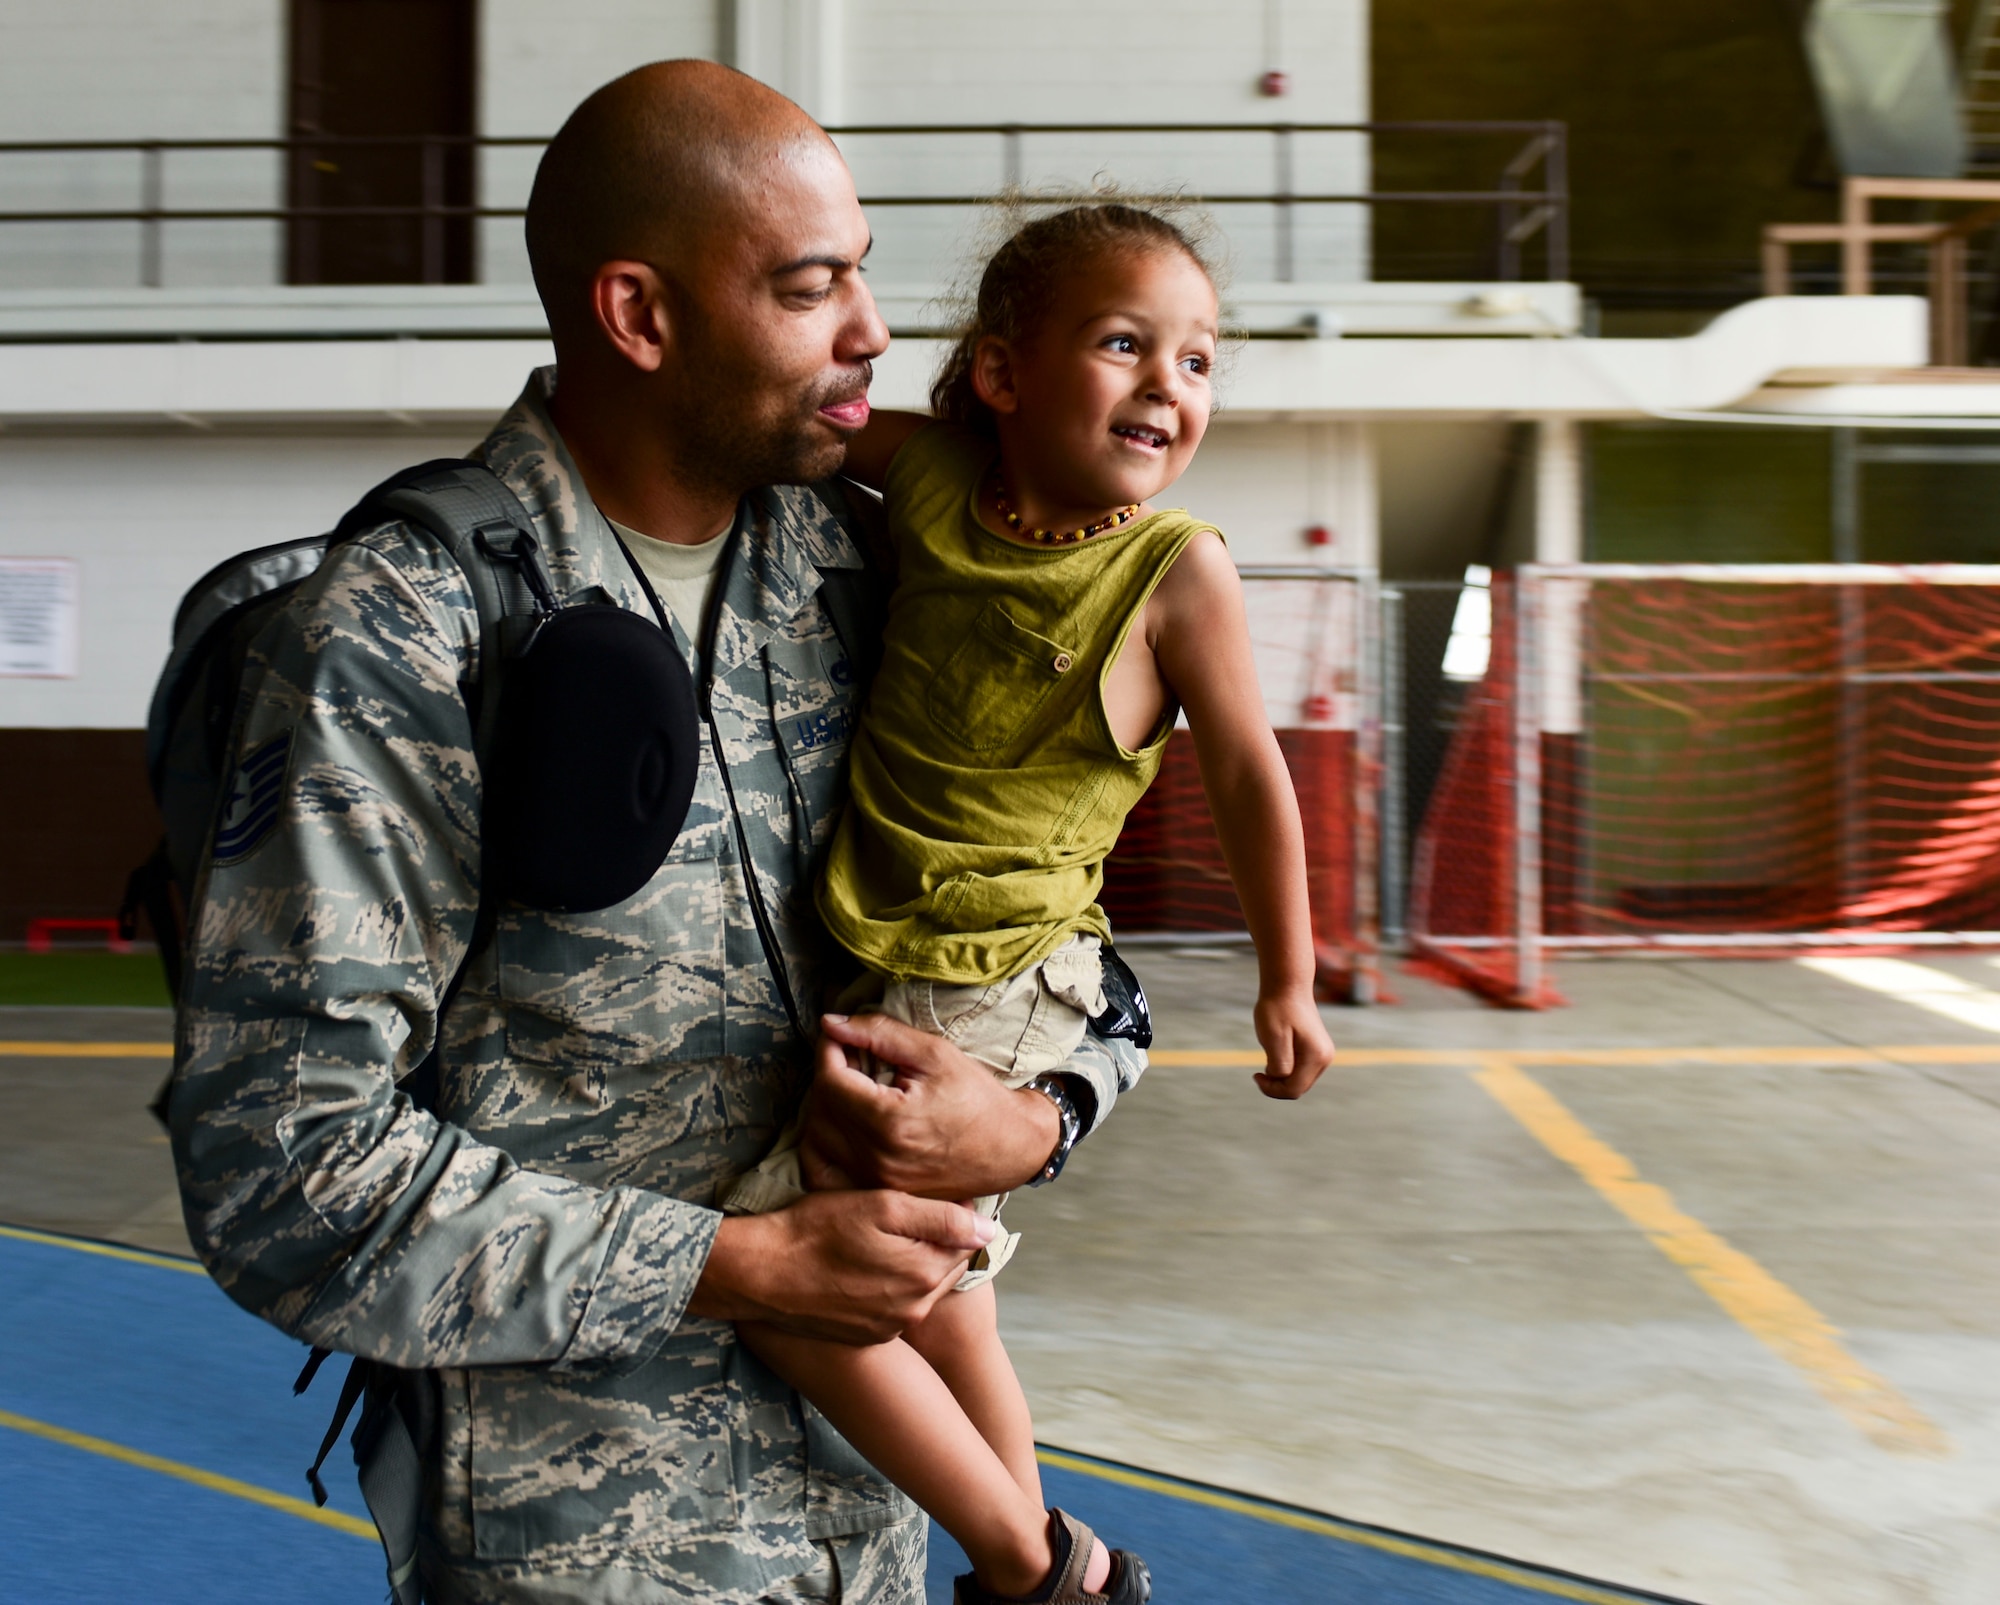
x=594, y=761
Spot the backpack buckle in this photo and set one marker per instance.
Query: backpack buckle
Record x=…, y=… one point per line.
x=524, y=552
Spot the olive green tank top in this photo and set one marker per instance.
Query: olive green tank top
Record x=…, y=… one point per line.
x=985, y=786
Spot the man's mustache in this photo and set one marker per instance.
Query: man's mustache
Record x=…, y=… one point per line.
x=846, y=390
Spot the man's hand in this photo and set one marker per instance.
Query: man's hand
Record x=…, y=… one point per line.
x=1296, y=1046
x=947, y=1128
x=852, y=1267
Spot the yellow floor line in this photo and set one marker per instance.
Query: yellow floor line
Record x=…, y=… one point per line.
x=1049, y=1457
x=210, y=1480
x=1945, y=1053
x=1326, y=1526
x=1208, y=1058
x=1831, y=1054
x=86, y=1050
x=138, y=1256
x=1770, y=1311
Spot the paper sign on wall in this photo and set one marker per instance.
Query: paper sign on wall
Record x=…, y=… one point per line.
x=38, y=617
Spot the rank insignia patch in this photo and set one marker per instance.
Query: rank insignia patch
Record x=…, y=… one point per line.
x=255, y=796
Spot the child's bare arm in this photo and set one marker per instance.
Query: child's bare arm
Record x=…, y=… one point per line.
x=1201, y=642
x=871, y=451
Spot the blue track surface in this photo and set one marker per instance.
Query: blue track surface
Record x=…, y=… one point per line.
x=145, y=1355
x=159, y=1361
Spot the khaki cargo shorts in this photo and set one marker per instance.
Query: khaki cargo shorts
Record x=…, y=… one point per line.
x=1021, y=1028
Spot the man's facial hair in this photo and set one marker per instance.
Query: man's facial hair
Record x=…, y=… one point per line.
x=726, y=436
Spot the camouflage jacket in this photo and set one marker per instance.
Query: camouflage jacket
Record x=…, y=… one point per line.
x=536, y=1241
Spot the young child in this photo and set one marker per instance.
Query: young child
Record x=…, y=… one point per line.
x=1047, y=624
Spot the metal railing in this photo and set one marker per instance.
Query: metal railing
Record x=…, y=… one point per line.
x=1529, y=199
x=1858, y=233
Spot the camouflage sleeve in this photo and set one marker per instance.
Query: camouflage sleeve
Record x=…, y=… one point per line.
x=1111, y=1065
x=339, y=900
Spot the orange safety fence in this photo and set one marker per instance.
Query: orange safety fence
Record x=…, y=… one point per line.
x=1750, y=758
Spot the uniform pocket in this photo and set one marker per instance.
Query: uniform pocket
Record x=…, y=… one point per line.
x=844, y=1493
x=992, y=685
x=985, y=1022
x=631, y=1460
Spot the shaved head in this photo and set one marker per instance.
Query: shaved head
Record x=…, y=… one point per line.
x=647, y=168
x=698, y=247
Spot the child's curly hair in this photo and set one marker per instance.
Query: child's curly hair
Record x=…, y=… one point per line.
x=1021, y=280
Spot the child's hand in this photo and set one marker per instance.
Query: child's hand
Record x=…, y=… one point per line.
x=1296, y=1046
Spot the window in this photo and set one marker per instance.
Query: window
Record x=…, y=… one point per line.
x=387, y=72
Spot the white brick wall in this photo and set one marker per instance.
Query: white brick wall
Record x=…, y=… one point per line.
x=1263, y=484
x=146, y=515
x=1101, y=61
x=133, y=69
x=969, y=61
x=1110, y=61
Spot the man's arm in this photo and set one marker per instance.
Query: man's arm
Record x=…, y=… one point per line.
x=870, y=452
x=316, y=1194
x=1106, y=1068
x=320, y=954
x=857, y=1267
x=1201, y=642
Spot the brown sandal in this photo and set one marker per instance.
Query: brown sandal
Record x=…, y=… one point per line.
x=1129, y=1583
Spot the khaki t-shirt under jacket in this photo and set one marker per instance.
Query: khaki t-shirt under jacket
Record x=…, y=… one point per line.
x=683, y=577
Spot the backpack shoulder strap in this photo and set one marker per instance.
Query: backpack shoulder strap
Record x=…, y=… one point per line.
x=854, y=598
x=468, y=510
x=471, y=513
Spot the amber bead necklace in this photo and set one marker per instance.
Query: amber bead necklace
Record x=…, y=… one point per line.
x=1055, y=537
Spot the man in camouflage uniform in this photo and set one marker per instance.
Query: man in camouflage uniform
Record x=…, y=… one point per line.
x=545, y=1243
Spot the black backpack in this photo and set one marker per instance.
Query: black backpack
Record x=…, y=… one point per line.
x=584, y=795
x=195, y=704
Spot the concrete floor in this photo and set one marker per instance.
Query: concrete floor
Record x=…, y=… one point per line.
x=79, y=1150
x=1392, y=1302
x=1396, y=1303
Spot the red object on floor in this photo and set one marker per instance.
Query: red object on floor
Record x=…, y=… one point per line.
x=42, y=933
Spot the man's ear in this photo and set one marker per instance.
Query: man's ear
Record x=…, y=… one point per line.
x=628, y=300
x=993, y=375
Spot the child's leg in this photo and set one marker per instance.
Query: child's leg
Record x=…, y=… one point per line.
x=960, y=1339
x=888, y=1402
